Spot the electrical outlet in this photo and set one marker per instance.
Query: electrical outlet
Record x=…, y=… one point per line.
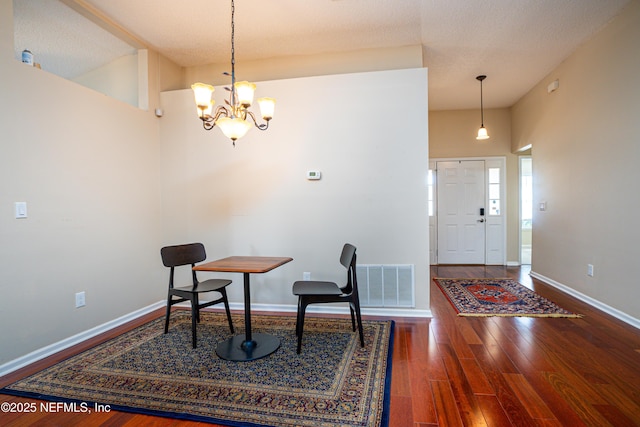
x=80, y=299
x=306, y=275
x=590, y=270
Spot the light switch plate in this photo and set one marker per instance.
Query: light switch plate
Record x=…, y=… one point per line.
x=21, y=210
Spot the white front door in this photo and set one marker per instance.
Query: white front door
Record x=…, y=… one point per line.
x=461, y=205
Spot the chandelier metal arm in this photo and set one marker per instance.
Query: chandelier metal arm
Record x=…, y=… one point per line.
x=261, y=126
x=209, y=122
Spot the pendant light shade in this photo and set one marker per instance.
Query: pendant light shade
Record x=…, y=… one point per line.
x=482, y=132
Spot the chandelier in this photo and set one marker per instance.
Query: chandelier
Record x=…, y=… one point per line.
x=482, y=132
x=232, y=118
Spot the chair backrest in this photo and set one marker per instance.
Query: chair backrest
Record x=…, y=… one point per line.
x=173, y=256
x=348, y=260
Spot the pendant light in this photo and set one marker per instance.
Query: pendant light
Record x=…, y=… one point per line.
x=482, y=132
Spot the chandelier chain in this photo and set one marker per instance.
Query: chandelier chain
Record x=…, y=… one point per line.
x=233, y=55
x=234, y=118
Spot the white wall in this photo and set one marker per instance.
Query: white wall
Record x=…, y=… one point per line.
x=585, y=159
x=254, y=199
x=88, y=167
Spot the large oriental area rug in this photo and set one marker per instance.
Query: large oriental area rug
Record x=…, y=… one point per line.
x=497, y=297
x=334, y=382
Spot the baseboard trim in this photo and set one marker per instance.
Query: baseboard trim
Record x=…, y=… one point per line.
x=587, y=299
x=51, y=349
x=47, y=351
x=336, y=309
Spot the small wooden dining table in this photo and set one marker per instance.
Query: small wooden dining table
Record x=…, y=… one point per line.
x=249, y=346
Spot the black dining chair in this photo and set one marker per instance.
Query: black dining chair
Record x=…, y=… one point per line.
x=316, y=292
x=190, y=254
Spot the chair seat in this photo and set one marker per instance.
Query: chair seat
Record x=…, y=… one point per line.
x=318, y=292
x=206, y=286
x=313, y=287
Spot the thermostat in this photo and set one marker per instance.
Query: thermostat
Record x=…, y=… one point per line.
x=313, y=175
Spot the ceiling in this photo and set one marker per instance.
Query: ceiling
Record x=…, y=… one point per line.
x=516, y=43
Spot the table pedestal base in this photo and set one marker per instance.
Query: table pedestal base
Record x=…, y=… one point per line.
x=238, y=349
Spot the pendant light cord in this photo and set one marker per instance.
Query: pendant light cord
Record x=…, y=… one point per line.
x=480, y=79
x=481, y=107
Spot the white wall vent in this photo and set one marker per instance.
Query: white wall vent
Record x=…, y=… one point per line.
x=386, y=285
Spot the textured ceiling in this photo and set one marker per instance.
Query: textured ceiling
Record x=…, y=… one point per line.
x=514, y=42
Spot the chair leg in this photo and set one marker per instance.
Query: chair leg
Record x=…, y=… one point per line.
x=353, y=318
x=360, y=329
x=195, y=314
x=166, y=319
x=300, y=325
x=195, y=301
x=298, y=317
x=223, y=291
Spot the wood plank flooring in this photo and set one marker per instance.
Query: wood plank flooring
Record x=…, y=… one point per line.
x=465, y=371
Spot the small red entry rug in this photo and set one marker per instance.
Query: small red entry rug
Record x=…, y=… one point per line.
x=497, y=297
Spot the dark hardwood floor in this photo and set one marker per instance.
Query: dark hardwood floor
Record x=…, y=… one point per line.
x=453, y=371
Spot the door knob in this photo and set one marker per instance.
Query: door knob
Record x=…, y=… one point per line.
x=481, y=220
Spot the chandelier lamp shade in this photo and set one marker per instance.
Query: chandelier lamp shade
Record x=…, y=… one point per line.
x=482, y=132
x=235, y=118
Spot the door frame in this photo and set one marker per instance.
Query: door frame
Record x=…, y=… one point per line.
x=495, y=235
x=520, y=193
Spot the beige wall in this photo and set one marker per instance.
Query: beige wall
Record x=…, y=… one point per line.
x=6, y=29
x=309, y=65
x=173, y=77
x=585, y=160
x=452, y=135
x=254, y=199
x=170, y=75
x=88, y=167
x=118, y=79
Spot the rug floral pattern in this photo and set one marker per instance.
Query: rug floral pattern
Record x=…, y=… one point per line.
x=334, y=382
x=497, y=297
